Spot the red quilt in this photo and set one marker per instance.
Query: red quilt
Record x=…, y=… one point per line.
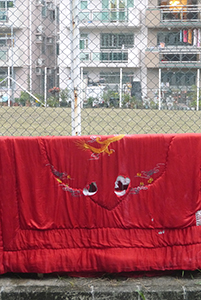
x=100, y=203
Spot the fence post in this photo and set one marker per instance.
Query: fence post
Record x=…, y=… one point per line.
x=198, y=88
x=120, y=90
x=45, y=87
x=159, y=89
x=75, y=70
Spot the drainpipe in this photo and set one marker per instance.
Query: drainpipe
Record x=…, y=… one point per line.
x=75, y=70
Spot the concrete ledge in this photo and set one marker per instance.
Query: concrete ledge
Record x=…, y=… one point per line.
x=68, y=288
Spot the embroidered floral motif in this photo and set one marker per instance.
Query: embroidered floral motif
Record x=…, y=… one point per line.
x=148, y=174
x=60, y=175
x=150, y=180
x=121, y=184
x=65, y=187
x=137, y=189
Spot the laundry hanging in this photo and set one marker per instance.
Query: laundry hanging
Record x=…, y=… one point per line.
x=112, y=204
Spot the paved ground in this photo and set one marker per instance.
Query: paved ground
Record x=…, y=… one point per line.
x=181, y=285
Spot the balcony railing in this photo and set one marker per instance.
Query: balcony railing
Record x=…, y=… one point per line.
x=166, y=15
x=106, y=15
x=155, y=58
x=178, y=13
x=105, y=56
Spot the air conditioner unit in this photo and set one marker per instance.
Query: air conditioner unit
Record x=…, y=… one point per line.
x=49, y=71
x=39, y=2
x=39, y=38
x=40, y=61
x=40, y=29
x=49, y=40
x=38, y=71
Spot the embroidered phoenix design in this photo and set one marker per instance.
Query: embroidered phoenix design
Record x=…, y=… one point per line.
x=102, y=147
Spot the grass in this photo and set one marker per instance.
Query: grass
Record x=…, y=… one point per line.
x=38, y=121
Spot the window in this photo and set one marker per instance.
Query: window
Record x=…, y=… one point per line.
x=57, y=48
x=52, y=15
x=57, y=14
x=130, y=3
x=6, y=4
x=5, y=39
x=116, y=10
x=84, y=56
x=175, y=38
x=84, y=5
x=44, y=11
x=83, y=41
x=116, y=41
x=114, y=77
x=188, y=57
x=114, y=56
x=179, y=78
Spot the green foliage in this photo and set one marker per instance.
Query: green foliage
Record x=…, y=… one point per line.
x=141, y=295
x=153, y=105
x=192, y=95
x=53, y=102
x=64, y=98
x=40, y=98
x=24, y=99
x=64, y=94
x=90, y=101
x=111, y=98
x=28, y=100
x=132, y=102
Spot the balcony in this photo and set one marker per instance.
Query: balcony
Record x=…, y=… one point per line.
x=11, y=57
x=114, y=57
x=12, y=17
x=128, y=16
x=173, y=58
x=163, y=16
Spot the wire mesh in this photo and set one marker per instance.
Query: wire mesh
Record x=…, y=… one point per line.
x=99, y=67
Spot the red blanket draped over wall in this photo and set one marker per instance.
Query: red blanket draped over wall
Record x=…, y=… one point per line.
x=100, y=203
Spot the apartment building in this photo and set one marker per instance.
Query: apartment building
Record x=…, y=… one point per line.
x=28, y=46
x=111, y=40
x=172, y=56
x=150, y=47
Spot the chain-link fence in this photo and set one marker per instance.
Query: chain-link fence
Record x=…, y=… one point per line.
x=100, y=67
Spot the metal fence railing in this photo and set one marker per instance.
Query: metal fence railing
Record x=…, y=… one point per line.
x=72, y=67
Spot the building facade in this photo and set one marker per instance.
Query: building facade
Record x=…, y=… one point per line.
x=172, y=56
x=150, y=49
x=111, y=39
x=28, y=46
